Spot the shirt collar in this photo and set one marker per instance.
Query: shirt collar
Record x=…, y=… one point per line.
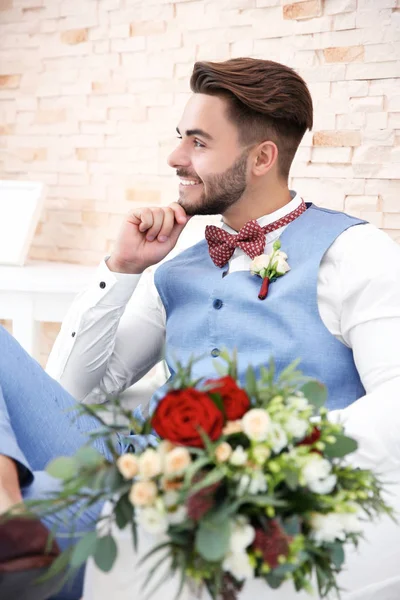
x=274, y=216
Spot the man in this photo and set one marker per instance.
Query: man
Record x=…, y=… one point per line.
x=337, y=309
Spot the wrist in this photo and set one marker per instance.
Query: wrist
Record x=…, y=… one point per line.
x=117, y=266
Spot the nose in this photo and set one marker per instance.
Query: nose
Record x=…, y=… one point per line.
x=178, y=158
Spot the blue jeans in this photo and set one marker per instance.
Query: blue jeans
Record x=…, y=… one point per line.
x=36, y=426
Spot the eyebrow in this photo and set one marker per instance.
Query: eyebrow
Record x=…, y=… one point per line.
x=200, y=132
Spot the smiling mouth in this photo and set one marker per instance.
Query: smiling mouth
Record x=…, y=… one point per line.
x=189, y=182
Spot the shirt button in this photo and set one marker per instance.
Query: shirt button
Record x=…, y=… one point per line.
x=73, y=334
x=102, y=284
x=215, y=352
x=217, y=304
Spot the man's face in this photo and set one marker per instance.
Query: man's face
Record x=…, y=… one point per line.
x=209, y=161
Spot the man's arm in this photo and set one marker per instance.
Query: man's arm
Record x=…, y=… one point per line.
x=102, y=349
x=369, y=275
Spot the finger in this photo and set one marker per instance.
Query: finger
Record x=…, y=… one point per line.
x=168, y=225
x=158, y=218
x=146, y=219
x=180, y=214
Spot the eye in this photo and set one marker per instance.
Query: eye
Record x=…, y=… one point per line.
x=198, y=144
x=179, y=137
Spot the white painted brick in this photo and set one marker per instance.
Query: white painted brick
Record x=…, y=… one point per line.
x=381, y=52
x=378, y=120
x=313, y=170
x=368, y=4
x=376, y=171
x=373, y=17
x=393, y=103
x=334, y=7
x=325, y=121
x=267, y=3
x=378, y=137
x=350, y=121
x=316, y=25
x=344, y=21
x=331, y=155
x=367, y=104
x=393, y=120
x=332, y=105
x=362, y=202
x=371, y=155
x=373, y=71
x=323, y=73
x=320, y=90
x=385, y=86
x=134, y=44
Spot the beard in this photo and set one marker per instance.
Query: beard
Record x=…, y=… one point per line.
x=223, y=190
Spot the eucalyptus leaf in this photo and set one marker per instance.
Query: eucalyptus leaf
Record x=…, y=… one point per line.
x=273, y=581
x=84, y=548
x=212, y=538
x=212, y=477
x=123, y=512
x=316, y=393
x=337, y=554
x=63, y=467
x=106, y=553
x=87, y=456
x=344, y=445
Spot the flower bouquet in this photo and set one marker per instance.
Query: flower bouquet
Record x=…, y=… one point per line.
x=244, y=482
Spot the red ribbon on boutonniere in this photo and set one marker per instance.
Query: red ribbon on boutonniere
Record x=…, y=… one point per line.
x=269, y=267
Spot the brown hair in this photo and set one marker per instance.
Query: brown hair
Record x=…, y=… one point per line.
x=267, y=101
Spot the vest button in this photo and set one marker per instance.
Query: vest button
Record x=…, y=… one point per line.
x=215, y=352
x=102, y=284
x=217, y=304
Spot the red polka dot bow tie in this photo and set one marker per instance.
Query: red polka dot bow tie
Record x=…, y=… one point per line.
x=250, y=239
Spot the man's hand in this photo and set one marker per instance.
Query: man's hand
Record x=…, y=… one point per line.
x=146, y=237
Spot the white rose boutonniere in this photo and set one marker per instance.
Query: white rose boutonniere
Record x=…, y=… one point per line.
x=269, y=267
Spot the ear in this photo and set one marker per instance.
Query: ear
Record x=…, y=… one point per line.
x=265, y=157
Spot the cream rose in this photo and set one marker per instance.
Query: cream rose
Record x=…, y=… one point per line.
x=256, y=424
x=176, y=461
x=128, y=466
x=232, y=427
x=259, y=264
x=149, y=464
x=223, y=452
x=143, y=493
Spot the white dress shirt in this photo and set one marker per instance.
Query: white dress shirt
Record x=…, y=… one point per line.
x=114, y=332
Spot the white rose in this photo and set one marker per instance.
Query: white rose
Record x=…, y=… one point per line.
x=252, y=484
x=171, y=498
x=298, y=402
x=327, y=528
x=259, y=263
x=323, y=486
x=256, y=424
x=128, y=465
x=238, y=457
x=281, y=266
x=316, y=468
x=149, y=464
x=296, y=427
x=277, y=438
x=242, y=535
x=239, y=565
x=351, y=523
x=152, y=520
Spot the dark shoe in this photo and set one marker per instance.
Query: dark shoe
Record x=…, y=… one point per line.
x=23, y=559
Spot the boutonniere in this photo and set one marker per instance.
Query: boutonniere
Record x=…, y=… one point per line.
x=269, y=267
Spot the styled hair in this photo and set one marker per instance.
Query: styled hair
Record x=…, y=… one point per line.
x=266, y=101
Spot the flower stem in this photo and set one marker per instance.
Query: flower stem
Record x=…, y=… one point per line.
x=264, y=288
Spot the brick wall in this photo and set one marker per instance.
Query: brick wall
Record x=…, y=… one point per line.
x=91, y=92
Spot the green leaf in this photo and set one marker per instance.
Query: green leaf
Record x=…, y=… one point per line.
x=106, y=553
x=212, y=537
x=221, y=369
x=344, y=445
x=259, y=500
x=251, y=382
x=88, y=457
x=337, y=554
x=316, y=393
x=292, y=526
x=194, y=468
x=273, y=581
x=212, y=477
x=123, y=511
x=58, y=566
x=292, y=480
x=63, y=467
x=84, y=548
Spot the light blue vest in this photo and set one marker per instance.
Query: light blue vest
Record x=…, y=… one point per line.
x=207, y=311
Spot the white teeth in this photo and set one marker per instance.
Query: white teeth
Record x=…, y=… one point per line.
x=186, y=182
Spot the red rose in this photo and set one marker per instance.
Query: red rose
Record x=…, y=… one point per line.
x=181, y=413
x=312, y=438
x=236, y=401
x=272, y=543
